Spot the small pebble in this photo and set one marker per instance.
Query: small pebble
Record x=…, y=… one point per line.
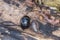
x=17, y=4
x=35, y=26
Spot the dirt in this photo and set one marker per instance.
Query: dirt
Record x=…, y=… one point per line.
x=12, y=13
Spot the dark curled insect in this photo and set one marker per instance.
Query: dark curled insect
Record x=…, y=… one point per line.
x=25, y=22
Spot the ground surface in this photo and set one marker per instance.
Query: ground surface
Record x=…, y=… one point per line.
x=11, y=14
